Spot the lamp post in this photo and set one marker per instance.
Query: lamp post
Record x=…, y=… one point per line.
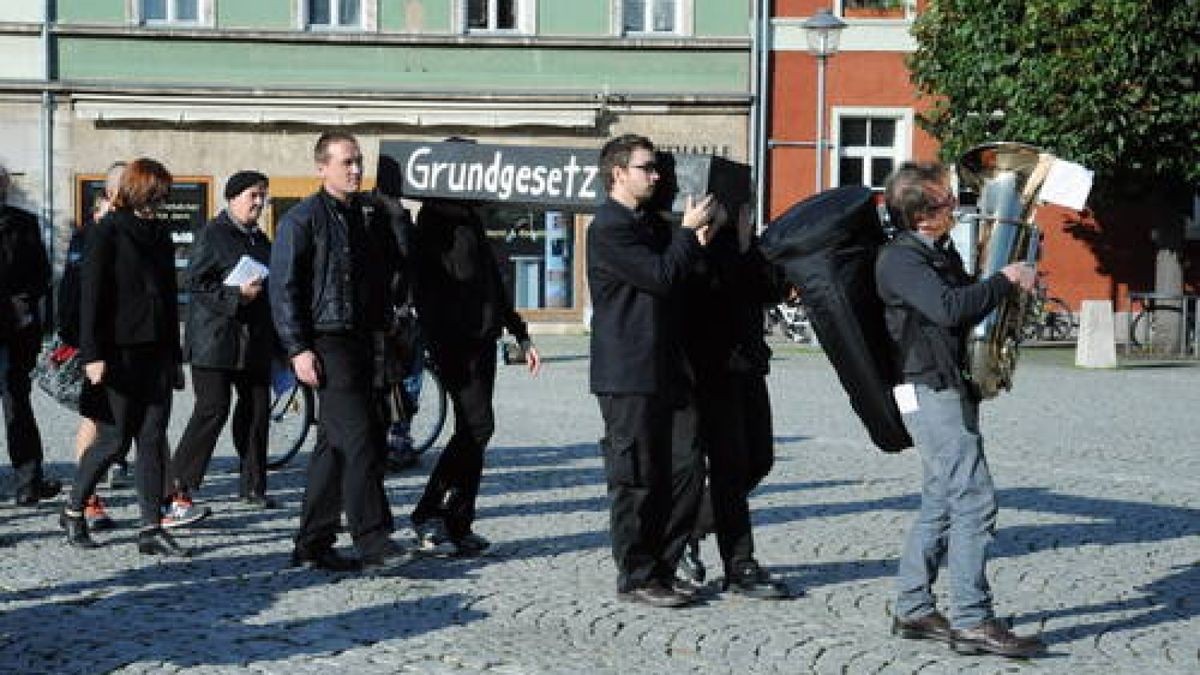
x=824, y=30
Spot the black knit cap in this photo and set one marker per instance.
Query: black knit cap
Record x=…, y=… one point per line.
x=241, y=181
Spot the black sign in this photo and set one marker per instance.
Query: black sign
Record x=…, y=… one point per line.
x=560, y=177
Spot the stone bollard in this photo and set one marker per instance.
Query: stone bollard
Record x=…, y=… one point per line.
x=1097, y=345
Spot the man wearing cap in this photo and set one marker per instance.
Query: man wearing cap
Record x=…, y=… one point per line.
x=229, y=340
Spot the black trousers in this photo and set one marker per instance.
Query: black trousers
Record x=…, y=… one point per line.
x=347, y=466
x=737, y=439
x=468, y=372
x=655, y=478
x=251, y=416
x=137, y=382
x=20, y=426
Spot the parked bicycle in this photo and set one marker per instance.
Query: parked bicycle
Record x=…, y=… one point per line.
x=1050, y=319
x=294, y=412
x=1164, y=313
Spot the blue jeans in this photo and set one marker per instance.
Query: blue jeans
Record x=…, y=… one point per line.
x=958, y=511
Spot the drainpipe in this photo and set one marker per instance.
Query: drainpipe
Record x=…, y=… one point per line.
x=762, y=106
x=47, y=133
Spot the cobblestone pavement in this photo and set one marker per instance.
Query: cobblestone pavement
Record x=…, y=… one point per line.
x=1098, y=549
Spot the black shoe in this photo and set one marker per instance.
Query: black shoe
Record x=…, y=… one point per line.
x=691, y=568
x=77, y=530
x=325, y=559
x=656, y=594
x=932, y=626
x=751, y=580
x=156, y=541
x=471, y=545
x=399, y=460
x=260, y=502
x=42, y=489
x=993, y=637
x=390, y=555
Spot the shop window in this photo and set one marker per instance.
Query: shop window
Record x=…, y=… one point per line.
x=535, y=251
x=497, y=16
x=869, y=148
x=172, y=12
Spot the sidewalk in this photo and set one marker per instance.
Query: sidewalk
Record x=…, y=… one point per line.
x=1098, y=548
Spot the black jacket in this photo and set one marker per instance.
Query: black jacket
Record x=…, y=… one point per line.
x=333, y=269
x=636, y=265
x=24, y=267
x=460, y=297
x=66, y=305
x=222, y=332
x=929, y=287
x=128, y=296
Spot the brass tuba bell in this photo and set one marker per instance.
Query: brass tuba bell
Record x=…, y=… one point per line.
x=1006, y=177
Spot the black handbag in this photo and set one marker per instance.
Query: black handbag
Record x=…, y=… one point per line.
x=59, y=373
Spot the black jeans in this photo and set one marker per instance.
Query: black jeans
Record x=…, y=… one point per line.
x=737, y=438
x=469, y=374
x=140, y=416
x=655, y=478
x=251, y=416
x=347, y=467
x=24, y=439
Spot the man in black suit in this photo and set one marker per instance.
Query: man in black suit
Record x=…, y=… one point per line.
x=24, y=281
x=636, y=265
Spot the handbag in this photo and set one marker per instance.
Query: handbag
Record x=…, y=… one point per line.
x=59, y=373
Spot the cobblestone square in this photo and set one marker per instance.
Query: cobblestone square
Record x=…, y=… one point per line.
x=1098, y=549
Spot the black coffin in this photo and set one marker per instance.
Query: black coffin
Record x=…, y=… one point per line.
x=548, y=176
x=826, y=246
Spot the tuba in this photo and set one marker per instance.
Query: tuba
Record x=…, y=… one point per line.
x=1006, y=177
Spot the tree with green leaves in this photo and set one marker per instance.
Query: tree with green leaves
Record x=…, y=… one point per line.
x=1110, y=84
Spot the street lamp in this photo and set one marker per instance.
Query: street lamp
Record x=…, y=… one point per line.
x=824, y=30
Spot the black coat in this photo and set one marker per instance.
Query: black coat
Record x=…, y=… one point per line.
x=129, y=299
x=24, y=267
x=222, y=331
x=460, y=298
x=636, y=266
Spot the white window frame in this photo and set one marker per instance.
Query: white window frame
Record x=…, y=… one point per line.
x=685, y=15
x=910, y=10
x=526, y=19
x=901, y=143
x=204, y=14
x=368, y=16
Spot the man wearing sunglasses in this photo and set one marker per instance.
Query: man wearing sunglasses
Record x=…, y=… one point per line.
x=931, y=305
x=636, y=267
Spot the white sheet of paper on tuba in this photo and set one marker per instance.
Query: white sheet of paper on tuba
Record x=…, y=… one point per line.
x=1067, y=184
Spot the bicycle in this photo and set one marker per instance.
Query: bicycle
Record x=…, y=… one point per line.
x=1049, y=319
x=293, y=413
x=1157, y=312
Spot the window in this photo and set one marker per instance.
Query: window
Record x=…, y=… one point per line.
x=170, y=11
x=333, y=14
x=869, y=147
x=492, y=15
x=650, y=16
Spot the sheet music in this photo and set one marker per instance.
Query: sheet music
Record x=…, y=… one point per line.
x=247, y=269
x=1067, y=184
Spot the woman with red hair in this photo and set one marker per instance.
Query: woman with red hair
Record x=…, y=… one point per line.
x=129, y=343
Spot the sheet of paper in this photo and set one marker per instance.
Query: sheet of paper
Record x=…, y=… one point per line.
x=1067, y=184
x=906, y=398
x=247, y=269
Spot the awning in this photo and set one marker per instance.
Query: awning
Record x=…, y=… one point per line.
x=329, y=112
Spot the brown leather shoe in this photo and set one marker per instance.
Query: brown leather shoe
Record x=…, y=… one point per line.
x=656, y=594
x=932, y=626
x=993, y=637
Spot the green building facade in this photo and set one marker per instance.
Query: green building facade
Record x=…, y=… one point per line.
x=210, y=87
